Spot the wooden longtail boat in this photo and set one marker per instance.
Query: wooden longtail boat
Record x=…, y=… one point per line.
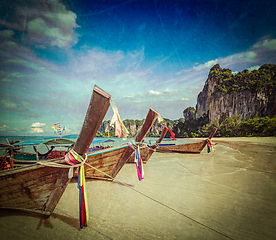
x=100, y=144
x=22, y=158
x=147, y=150
x=63, y=145
x=105, y=164
x=38, y=188
x=196, y=147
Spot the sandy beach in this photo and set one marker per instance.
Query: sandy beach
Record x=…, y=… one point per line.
x=226, y=194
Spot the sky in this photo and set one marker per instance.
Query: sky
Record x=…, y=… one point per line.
x=145, y=53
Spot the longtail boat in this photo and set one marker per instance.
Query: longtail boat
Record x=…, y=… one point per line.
x=22, y=158
x=39, y=187
x=105, y=164
x=196, y=147
x=147, y=150
x=61, y=146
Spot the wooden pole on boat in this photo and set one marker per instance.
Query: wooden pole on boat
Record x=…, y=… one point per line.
x=205, y=142
x=12, y=156
x=162, y=135
x=150, y=119
x=213, y=133
x=151, y=151
x=99, y=103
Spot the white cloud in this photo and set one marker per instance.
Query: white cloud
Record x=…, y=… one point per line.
x=24, y=63
x=253, y=68
x=6, y=33
x=3, y=128
x=37, y=125
x=267, y=43
x=253, y=55
x=152, y=92
x=37, y=130
x=8, y=104
x=67, y=18
x=242, y=57
x=48, y=23
x=38, y=25
x=130, y=95
x=207, y=65
x=249, y=56
x=168, y=91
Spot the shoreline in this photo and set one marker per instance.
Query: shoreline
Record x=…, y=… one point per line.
x=243, y=139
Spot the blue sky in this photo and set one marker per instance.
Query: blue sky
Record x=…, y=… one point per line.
x=146, y=54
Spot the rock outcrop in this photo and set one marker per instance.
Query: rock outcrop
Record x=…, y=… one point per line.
x=189, y=113
x=216, y=104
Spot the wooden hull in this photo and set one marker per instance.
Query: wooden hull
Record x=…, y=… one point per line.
x=106, y=164
x=38, y=188
x=34, y=188
x=145, y=151
x=196, y=147
x=183, y=148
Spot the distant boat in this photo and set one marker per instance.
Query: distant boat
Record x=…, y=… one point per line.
x=196, y=147
x=107, y=163
x=62, y=146
x=147, y=150
x=22, y=158
x=38, y=188
x=100, y=144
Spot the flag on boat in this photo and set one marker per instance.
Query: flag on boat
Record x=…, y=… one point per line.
x=57, y=129
x=172, y=133
x=120, y=129
x=160, y=119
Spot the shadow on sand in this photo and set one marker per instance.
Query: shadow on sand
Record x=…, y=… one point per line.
x=44, y=220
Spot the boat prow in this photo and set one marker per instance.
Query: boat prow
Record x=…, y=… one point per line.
x=147, y=150
x=106, y=164
x=39, y=187
x=196, y=147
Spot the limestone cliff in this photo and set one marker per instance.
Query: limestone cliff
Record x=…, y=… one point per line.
x=189, y=113
x=216, y=103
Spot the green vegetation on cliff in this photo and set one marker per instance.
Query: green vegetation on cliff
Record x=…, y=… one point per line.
x=229, y=127
x=255, y=80
x=234, y=127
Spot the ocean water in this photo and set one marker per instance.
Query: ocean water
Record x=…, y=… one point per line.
x=226, y=194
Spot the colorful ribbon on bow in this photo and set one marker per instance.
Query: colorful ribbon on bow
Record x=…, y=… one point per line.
x=209, y=145
x=73, y=158
x=172, y=133
x=138, y=160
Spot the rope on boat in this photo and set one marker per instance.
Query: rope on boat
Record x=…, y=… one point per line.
x=153, y=148
x=73, y=158
x=58, y=165
x=137, y=159
x=76, y=160
x=210, y=145
x=153, y=199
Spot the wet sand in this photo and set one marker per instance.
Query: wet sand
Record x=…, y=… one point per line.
x=226, y=194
